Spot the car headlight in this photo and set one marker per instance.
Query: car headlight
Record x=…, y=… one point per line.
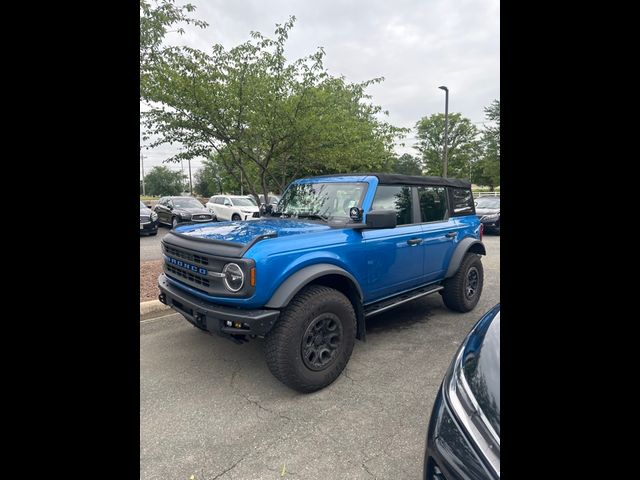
x=154, y=216
x=246, y=211
x=233, y=277
x=492, y=217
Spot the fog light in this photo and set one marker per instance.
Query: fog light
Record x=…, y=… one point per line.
x=228, y=323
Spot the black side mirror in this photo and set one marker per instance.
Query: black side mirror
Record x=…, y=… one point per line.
x=355, y=214
x=382, y=219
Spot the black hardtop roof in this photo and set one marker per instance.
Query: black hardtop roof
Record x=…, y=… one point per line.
x=398, y=179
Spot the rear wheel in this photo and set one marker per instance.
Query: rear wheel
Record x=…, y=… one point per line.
x=313, y=339
x=462, y=291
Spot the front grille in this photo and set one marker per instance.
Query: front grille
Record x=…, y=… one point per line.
x=186, y=274
x=174, y=252
x=201, y=217
x=144, y=218
x=256, y=215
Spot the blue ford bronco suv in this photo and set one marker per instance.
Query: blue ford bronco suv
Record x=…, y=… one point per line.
x=336, y=250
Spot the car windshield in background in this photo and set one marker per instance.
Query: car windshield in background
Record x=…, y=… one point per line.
x=321, y=200
x=488, y=202
x=186, y=203
x=243, y=202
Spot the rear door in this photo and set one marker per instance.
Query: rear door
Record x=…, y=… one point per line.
x=161, y=210
x=439, y=231
x=395, y=259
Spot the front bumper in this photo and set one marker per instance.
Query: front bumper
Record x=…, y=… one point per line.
x=215, y=318
x=149, y=227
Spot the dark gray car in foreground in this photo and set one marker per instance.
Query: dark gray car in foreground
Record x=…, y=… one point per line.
x=463, y=440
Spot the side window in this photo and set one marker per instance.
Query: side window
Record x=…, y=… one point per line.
x=462, y=202
x=392, y=197
x=218, y=200
x=433, y=203
x=228, y=202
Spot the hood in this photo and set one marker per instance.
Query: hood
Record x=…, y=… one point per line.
x=145, y=211
x=487, y=211
x=193, y=210
x=252, y=208
x=481, y=365
x=245, y=232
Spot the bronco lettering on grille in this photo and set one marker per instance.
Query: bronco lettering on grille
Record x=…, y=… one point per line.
x=188, y=266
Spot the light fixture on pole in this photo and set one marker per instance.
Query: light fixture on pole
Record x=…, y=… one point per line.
x=446, y=127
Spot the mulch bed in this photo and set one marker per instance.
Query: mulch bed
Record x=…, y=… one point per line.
x=149, y=273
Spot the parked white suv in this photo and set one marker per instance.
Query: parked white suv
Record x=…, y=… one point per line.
x=230, y=207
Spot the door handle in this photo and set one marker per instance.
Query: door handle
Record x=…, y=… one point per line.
x=414, y=241
x=451, y=234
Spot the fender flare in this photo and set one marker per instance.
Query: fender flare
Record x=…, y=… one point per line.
x=296, y=282
x=465, y=245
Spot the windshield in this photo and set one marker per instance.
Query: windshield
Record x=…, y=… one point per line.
x=324, y=200
x=488, y=202
x=243, y=202
x=186, y=203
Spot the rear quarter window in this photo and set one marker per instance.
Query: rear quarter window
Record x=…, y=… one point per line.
x=462, y=202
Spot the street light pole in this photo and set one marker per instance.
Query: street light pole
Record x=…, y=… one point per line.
x=446, y=127
x=142, y=162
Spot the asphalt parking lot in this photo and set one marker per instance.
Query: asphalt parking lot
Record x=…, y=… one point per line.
x=210, y=409
x=150, y=245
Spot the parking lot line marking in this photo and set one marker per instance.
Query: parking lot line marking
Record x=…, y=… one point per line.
x=149, y=320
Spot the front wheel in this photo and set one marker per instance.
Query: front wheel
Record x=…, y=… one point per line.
x=313, y=339
x=235, y=217
x=462, y=291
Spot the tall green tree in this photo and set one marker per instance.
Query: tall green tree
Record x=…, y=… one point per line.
x=265, y=119
x=157, y=18
x=211, y=179
x=464, y=148
x=488, y=168
x=407, y=164
x=162, y=181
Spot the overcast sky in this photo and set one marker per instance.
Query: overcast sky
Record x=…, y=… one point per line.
x=416, y=45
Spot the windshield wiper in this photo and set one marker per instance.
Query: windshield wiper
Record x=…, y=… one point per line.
x=313, y=215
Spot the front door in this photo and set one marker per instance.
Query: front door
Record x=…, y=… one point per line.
x=395, y=258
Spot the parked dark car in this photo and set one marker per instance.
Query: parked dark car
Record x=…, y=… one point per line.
x=488, y=211
x=175, y=210
x=463, y=440
x=148, y=220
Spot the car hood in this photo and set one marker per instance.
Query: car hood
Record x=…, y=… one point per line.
x=245, y=232
x=487, y=211
x=192, y=210
x=252, y=208
x=145, y=211
x=481, y=365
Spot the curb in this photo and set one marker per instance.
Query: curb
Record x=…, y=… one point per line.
x=152, y=306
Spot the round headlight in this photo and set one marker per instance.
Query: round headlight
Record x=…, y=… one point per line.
x=154, y=216
x=233, y=277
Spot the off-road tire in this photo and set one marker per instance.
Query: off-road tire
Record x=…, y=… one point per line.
x=284, y=345
x=456, y=289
